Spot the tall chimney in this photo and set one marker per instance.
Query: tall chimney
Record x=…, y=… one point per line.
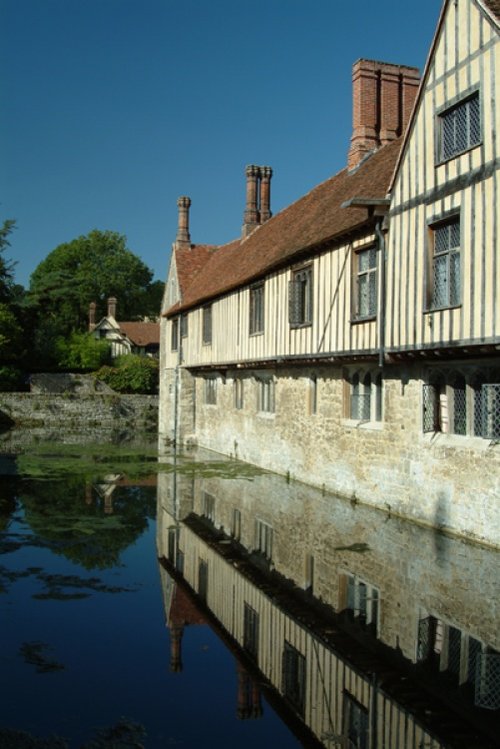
x=383, y=96
x=251, y=216
x=112, y=307
x=92, y=306
x=183, y=238
x=265, y=193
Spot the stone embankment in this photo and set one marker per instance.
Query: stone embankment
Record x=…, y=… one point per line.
x=76, y=402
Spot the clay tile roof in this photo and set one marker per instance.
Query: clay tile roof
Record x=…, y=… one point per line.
x=310, y=221
x=190, y=261
x=141, y=333
x=494, y=7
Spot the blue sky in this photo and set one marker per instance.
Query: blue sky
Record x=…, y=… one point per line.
x=114, y=108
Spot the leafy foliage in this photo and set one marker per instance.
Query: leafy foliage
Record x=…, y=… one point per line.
x=82, y=351
x=11, y=379
x=132, y=374
x=88, y=269
x=6, y=266
x=12, y=322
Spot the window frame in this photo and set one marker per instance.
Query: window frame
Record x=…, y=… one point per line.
x=256, y=309
x=238, y=393
x=300, y=297
x=266, y=395
x=184, y=325
x=174, y=334
x=431, y=304
x=207, y=325
x=447, y=110
x=365, y=387
x=357, y=276
x=478, y=408
x=210, y=391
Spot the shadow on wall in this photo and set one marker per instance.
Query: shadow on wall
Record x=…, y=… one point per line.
x=441, y=541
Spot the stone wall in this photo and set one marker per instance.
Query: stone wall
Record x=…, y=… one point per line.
x=442, y=480
x=78, y=411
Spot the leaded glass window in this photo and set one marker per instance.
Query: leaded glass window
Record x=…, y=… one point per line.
x=366, y=299
x=445, y=287
x=300, y=297
x=460, y=128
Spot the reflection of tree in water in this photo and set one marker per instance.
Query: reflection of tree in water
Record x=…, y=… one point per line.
x=7, y=500
x=71, y=516
x=124, y=734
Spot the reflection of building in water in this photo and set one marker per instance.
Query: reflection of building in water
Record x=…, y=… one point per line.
x=105, y=489
x=375, y=632
x=182, y=610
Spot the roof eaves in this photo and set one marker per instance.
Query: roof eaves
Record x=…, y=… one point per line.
x=292, y=257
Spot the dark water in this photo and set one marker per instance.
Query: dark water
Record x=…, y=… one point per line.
x=84, y=650
x=198, y=602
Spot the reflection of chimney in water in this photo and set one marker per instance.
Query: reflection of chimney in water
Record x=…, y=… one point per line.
x=256, y=701
x=88, y=494
x=249, y=701
x=176, y=632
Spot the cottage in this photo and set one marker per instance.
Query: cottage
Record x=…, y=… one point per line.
x=142, y=337
x=352, y=340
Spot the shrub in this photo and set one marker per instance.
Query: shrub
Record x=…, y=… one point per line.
x=131, y=374
x=82, y=351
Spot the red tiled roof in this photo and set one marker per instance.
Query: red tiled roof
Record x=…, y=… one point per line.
x=494, y=7
x=141, y=333
x=313, y=219
x=190, y=261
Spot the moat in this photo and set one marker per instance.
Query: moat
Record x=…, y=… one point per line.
x=196, y=601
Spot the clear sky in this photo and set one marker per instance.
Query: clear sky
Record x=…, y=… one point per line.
x=114, y=108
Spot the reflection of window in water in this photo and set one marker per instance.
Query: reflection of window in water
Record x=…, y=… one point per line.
x=360, y=599
x=443, y=647
x=208, y=508
x=236, y=524
x=264, y=539
x=250, y=631
x=294, y=677
x=355, y=723
x=203, y=579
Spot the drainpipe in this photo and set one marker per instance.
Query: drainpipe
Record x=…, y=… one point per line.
x=382, y=250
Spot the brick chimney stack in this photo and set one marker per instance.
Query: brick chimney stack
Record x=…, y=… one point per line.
x=112, y=307
x=92, y=307
x=265, y=193
x=183, y=238
x=383, y=96
x=251, y=217
x=258, y=197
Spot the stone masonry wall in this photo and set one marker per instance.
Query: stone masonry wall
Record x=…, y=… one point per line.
x=442, y=480
x=70, y=410
x=415, y=570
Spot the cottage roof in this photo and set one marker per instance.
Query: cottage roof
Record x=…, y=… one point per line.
x=141, y=333
x=206, y=272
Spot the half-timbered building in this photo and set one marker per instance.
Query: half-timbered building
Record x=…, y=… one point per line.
x=352, y=340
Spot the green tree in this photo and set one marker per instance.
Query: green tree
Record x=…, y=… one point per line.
x=6, y=266
x=89, y=269
x=12, y=322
